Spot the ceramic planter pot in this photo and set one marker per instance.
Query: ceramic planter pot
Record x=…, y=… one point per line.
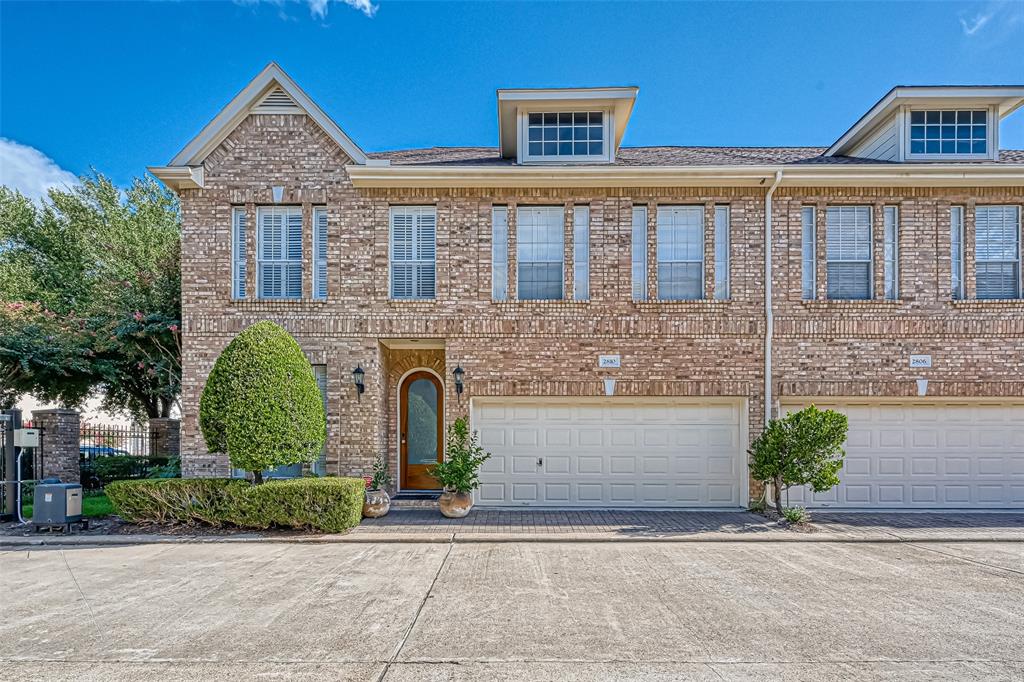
x=376, y=504
x=455, y=505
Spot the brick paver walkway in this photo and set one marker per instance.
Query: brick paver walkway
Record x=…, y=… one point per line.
x=923, y=525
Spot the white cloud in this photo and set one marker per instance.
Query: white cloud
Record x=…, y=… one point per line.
x=997, y=21
x=318, y=8
x=975, y=24
x=29, y=171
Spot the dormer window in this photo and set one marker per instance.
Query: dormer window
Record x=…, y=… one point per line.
x=949, y=132
x=564, y=135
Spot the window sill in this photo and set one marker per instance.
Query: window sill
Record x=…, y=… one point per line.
x=851, y=302
x=516, y=302
x=420, y=302
x=683, y=303
x=263, y=302
x=983, y=302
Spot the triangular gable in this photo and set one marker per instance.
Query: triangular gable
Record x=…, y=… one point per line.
x=272, y=91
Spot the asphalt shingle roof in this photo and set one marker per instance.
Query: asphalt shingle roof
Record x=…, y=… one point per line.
x=658, y=156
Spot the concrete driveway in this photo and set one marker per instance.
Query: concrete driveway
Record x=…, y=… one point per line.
x=515, y=611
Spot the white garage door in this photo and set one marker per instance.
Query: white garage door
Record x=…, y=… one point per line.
x=927, y=454
x=610, y=452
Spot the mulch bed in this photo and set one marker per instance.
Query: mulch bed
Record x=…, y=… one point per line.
x=114, y=525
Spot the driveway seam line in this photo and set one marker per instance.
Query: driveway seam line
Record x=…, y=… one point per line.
x=964, y=559
x=419, y=610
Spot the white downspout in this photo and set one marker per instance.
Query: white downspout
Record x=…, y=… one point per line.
x=769, y=320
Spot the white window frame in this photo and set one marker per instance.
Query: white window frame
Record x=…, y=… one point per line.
x=581, y=253
x=723, y=220
x=808, y=253
x=320, y=252
x=499, y=253
x=956, y=245
x=1015, y=261
x=660, y=243
x=422, y=251
x=285, y=261
x=523, y=124
x=638, y=253
x=521, y=244
x=991, y=134
x=239, y=252
x=870, y=250
x=891, y=252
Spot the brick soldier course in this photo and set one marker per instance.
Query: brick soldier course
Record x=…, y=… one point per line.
x=549, y=348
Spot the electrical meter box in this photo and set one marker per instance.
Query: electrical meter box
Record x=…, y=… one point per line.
x=57, y=504
x=26, y=438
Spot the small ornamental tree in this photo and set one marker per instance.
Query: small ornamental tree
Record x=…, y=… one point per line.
x=459, y=472
x=802, y=448
x=261, y=404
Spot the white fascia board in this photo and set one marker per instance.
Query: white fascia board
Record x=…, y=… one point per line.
x=238, y=108
x=861, y=175
x=1007, y=98
x=179, y=177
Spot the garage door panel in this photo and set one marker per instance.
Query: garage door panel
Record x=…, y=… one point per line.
x=611, y=452
x=955, y=454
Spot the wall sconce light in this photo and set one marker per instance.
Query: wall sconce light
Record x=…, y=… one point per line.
x=458, y=373
x=357, y=379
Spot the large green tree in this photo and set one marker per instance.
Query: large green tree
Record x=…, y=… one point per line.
x=90, y=296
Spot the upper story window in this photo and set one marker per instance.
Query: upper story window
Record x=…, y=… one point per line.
x=961, y=132
x=413, y=252
x=279, y=266
x=680, y=247
x=848, y=252
x=567, y=136
x=997, y=252
x=540, y=252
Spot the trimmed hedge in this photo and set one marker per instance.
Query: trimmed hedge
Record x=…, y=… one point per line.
x=331, y=504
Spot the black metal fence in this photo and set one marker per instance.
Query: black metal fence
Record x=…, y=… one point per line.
x=116, y=452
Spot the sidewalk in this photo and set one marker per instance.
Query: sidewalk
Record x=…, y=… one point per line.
x=546, y=525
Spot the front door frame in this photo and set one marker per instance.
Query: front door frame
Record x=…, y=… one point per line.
x=401, y=416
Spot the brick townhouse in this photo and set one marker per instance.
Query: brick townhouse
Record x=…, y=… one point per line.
x=599, y=311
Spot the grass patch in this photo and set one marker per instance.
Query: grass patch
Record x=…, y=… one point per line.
x=94, y=505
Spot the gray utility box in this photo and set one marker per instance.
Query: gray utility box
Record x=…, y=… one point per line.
x=57, y=504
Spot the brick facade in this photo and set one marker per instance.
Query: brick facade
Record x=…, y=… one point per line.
x=58, y=444
x=550, y=348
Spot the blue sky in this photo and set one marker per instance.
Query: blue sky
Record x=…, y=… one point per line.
x=118, y=86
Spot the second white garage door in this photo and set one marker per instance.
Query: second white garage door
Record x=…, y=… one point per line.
x=610, y=452
x=927, y=454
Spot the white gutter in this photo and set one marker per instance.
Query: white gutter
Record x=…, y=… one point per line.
x=769, y=319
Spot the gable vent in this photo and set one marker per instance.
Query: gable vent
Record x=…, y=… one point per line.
x=277, y=101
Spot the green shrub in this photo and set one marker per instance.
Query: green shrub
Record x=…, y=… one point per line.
x=802, y=448
x=100, y=471
x=459, y=472
x=329, y=504
x=261, y=404
x=796, y=515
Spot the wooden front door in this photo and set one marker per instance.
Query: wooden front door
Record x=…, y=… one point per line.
x=421, y=432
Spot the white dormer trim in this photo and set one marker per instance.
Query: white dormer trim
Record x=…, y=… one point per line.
x=616, y=102
x=1003, y=100
x=523, y=145
x=270, y=79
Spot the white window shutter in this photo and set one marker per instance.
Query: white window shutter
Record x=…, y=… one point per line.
x=320, y=253
x=808, y=253
x=722, y=253
x=499, y=253
x=639, y=253
x=238, y=252
x=581, y=253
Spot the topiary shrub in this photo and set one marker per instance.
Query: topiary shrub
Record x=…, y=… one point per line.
x=331, y=505
x=174, y=500
x=261, y=404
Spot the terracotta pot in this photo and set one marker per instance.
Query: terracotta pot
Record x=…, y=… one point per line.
x=376, y=504
x=455, y=505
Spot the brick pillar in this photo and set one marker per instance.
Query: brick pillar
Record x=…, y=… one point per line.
x=58, y=444
x=164, y=437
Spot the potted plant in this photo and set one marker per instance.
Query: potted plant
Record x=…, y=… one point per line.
x=377, y=502
x=458, y=473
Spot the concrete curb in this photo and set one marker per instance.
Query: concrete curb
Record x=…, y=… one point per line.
x=469, y=538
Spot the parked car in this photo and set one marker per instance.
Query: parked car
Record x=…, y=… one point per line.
x=90, y=452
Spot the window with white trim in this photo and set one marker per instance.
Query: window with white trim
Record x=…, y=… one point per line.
x=891, y=252
x=581, y=253
x=639, y=253
x=721, y=253
x=808, y=253
x=566, y=135
x=997, y=252
x=238, y=252
x=320, y=252
x=540, y=252
x=499, y=253
x=279, y=267
x=949, y=132
x=680, y=247
x=956, y=241
x=848, y=252
x=413, y=252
